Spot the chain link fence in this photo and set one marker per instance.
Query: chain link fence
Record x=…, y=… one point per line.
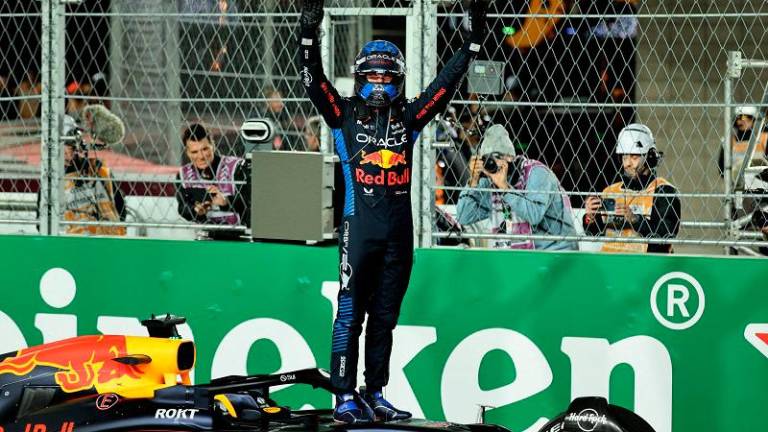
x=20, y=107
x=573, y=74
x=576, y=73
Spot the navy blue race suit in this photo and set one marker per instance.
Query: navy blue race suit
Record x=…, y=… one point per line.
x=376, y=234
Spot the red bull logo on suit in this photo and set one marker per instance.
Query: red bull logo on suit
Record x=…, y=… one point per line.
x=383, y=158
x=383, y=178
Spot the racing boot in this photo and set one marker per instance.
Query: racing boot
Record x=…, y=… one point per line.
x=350, y=409
x=383, y=410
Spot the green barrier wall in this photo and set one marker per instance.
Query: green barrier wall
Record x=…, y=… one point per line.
x=681, y=340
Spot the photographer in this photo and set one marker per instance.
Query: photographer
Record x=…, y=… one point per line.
x=90, y=193
x=529, y=200
x=207, y=191
x=630, y=207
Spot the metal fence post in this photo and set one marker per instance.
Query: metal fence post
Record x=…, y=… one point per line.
x=173, y=79
x=117, y=78
x=53, y=61
x=424, y=51
x=733, y=72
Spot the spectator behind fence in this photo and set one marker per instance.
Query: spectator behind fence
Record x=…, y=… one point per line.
x=743, y=127
x=90, y=193
x=7, y=108
x=206, y=190
x=631, y=208
x=312, y=130
x=99, y=89
x=76, y=97
x=287, y=135
x=470, y=127
x=450, y=164
x=30, y=90
x=529, y=199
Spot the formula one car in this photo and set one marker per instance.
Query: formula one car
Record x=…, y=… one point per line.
x=133, y=383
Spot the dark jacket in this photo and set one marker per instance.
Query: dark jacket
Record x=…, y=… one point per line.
x=664, y=221
x=239, y=203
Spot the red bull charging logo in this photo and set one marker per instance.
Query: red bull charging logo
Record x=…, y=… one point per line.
x=84, y=361
x=383, y=158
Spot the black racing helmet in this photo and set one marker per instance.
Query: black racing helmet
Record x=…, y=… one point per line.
x=382, y=57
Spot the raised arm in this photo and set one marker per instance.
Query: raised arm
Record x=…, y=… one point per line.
x=439, y=93
x=321, y=92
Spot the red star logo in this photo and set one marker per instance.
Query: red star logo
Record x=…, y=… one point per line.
x=757, y=335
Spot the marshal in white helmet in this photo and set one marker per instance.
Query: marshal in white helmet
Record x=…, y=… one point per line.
x=747, y=110
x=635, y=138
x=641, y=204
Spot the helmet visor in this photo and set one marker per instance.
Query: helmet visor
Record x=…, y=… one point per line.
x=380, y=63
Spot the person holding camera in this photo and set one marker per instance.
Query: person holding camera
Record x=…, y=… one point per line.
x=527, y=197
x=211, y=188
x=641, y=205
x=374, y=133
x=90, y=193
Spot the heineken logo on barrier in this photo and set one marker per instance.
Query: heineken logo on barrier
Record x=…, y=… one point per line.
x=677, y=300
x=757, y=335
x=592, y=359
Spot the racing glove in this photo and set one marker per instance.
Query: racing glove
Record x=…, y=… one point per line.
x=477, y=21
x=311, y=16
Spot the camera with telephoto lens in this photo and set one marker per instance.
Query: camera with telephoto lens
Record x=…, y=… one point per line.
x=97, y=122
x=74, y=138
x=489, y=162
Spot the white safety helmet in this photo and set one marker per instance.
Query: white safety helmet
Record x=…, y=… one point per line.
x=749, y=110
x=635, y=139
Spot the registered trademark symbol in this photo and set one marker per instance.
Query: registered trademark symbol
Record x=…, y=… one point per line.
x=677, y=300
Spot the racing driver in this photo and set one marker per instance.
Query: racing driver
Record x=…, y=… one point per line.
x=374, y=133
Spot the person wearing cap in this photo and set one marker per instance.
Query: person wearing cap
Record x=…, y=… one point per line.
x=287, y=136
x=641, y=204
x=211, y=189
x=100, y=89
x=743, y=126
x=527, y=200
